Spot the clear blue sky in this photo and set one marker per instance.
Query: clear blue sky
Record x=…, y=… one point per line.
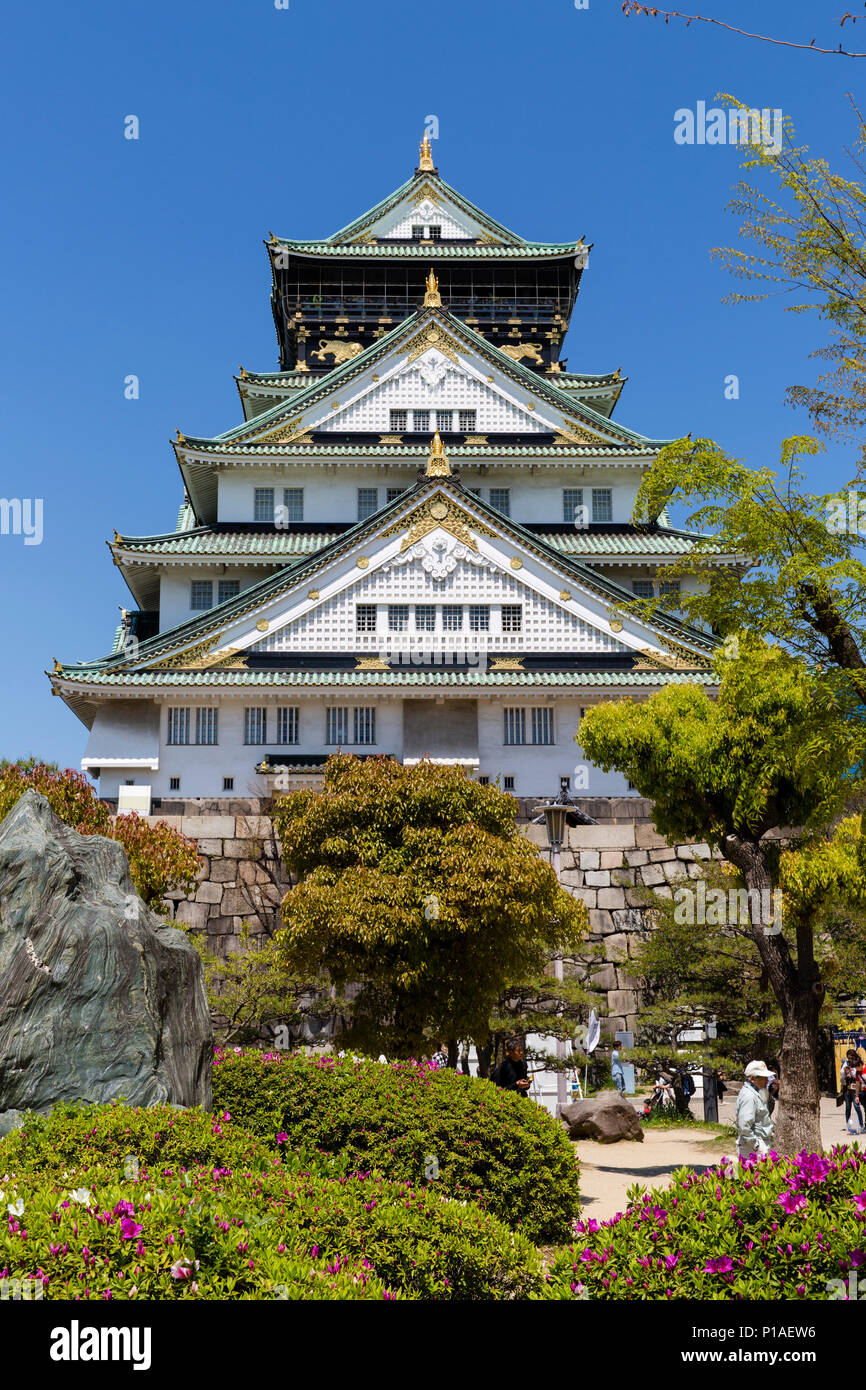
x=146, y=256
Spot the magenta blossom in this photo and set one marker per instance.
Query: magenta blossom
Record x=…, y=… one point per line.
x=792, y=1202
x=723, y=1265
x=129, y=1229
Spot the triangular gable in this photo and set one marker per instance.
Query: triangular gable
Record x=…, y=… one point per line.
x=398, y=206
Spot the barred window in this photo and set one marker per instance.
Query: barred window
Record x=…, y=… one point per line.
x=206, y=725
x=421, y=421
x=201, y=594
x=228, y=784
x=452, y=617
x=467, y=421
x=425, y=617
x=365, y=617
x=512, y=617
x=256, y=724
x=670, y=589
x=364, y=724
x=435, y=233
x=288, y=723
x=508, y=784
x=392, y=493
x=399, y=421
x=500, y=498
x=337, y=724
x=368, y=502
x=174, y=784
x=178, y=725
x=293, y=505
x=443, y=420
x=642, y=588
x=398, y=617
x=602, y=504
x=263, y=504
x=515, y=725
x=479, y=617
x=228, y=588
x=542, y=725
x=572, y=506
x=417, y=233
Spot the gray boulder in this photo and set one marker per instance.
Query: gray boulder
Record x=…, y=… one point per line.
x=607, y=1117
x=98, y=998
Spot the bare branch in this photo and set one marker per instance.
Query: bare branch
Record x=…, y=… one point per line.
x=630, y=7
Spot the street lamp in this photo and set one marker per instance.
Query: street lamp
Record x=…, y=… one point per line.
x=556, y=816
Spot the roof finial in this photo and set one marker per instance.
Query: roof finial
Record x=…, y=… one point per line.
x=425, y=162
x=432, y=299
x=437, y=464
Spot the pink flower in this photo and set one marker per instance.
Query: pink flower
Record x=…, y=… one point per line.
x=723, y=1265
x=792, y=1202
x=129, y=1229
x=282, y=1137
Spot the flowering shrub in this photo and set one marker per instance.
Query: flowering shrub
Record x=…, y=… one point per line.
x=765, y=1228
x=85, y=1223
x=160, y=858
x=466, y=1137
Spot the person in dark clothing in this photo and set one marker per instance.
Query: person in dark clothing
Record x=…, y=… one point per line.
x=512, y=1074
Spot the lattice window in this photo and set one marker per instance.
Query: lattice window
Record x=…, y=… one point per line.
x=542, y=724
x=425, y=617
x=256, y=724
x=228, y=588
x=500, y=498
x=337, y=724
x=178, y=726
x=670, y=589
x=399, y=421
x=365, y=617
x=364, y=721
x=368, y=502
x=392, y=493
x=444, y=420
x=572, y=506
x=421, y=421
x=602, y=504
x=293, y=506
x=452, y=617
x=515, y=725
x=398, y=617
x=417, y=231
x=479, y=617
x=467, y=419
x=206, y=725
x=201, y=595
x=512, y=617
x=642, y=588
x=263, y=504
x=288, y=723
x=435, y=233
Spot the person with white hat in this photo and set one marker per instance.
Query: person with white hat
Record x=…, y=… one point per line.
x=754, y=1125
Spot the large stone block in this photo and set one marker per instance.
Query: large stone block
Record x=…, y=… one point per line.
x=237, y=901
x=622, y=1001
x=590, y=859
x=224, y=870
x=613, y=858
x=652, y=874
x=603, y=979
x=611, y=897
x=243, y=849
x=98, y=997
x=645, y=837
x=600, y=923
x=208, y=827
x=209, y=893
x=602, y=837
x=572, y=878
x=588, y=896
x=607, y=1118
x=662, y=856
x=616, y=947
x=195, y=914
x=636, y=857
x=253, y=828
x=597, y=878
x=622, y=878
x=628, y=919
x=212, y=847
x=675, y=871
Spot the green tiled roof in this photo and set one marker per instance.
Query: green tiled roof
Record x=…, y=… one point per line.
x=551, y=679
x=430, y=250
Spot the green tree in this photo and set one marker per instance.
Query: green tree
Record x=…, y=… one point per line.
x=772, y=751
x=418, y=894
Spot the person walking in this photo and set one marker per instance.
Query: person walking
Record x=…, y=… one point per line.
x=852, y=1084
x=754, y=1125
x=512, y=1074
x=616, y=1071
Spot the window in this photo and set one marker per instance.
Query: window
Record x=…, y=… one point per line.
x=542, y=725
x=642, y=588
x=515, y=725
x=129, y=782
x=398, y=617
x=484, y=781
x=392, y=493
x=201, y=595
x=228, y=588
x=174, y=784
x=399, y=421
x=264, y=504
x=293, y=505
x=365, y=617
x=425, y=617
x=479, y=617
x=288, y=724
x=435, y=233
x=452, y=617
x=337, y=725
x=206, y=725
x=572, y=506
x=364, y=725
x=421, y=421
x=670, y=589
x=512, y=617
x=228, y=784
x=500, y=498
x=467, y=421
x=602, y=504
x=178, y=726
x=368, y=502
x=417, y=233
x=256, y=725
x=508, y=784
x=443, y=420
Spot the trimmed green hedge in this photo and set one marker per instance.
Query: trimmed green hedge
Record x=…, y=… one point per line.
x=84, y=1222
x=412, y=1124
x=765, y=1228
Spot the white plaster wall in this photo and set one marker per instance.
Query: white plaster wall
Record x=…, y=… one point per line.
x=538, y=768
x=175, y=588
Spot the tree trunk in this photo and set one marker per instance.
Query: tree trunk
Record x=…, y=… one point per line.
x=453, y=1053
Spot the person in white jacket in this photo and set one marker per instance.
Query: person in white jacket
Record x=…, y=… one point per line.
x=754, y=1125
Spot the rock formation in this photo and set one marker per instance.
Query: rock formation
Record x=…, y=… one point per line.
x=606, y=1117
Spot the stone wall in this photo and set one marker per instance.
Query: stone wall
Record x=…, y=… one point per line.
x=242, y=878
